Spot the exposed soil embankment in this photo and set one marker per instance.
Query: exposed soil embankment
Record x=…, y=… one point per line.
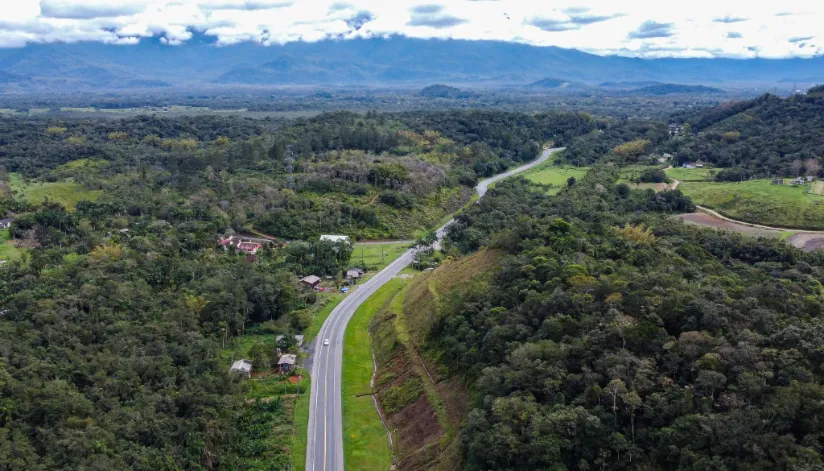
x=423, y=405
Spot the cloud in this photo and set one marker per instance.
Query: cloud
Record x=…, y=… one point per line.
x=640, y=29
x=652, y=29
x=426, y=9
x=75, y=10
x=432, y=16
x=360, y=19
x=552, y=25
x=729, y=19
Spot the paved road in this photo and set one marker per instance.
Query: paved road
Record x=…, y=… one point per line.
x=324, y=450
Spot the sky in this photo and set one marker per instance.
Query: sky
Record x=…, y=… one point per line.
x=641, y=28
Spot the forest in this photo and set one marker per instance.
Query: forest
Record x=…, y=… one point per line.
x=369, y=176
x=612, y=336
x=114, y=318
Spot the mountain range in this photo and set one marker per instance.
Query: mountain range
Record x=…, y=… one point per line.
x=393, y=61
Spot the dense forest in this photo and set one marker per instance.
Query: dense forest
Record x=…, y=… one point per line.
x=370, y=176
x=763, y=137
x=612, y=336
x=114, y=316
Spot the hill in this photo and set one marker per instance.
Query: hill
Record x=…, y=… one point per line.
x=661, y=89
x=766, y=136
x=392, y=61
x=556, y=83
x=445, y=91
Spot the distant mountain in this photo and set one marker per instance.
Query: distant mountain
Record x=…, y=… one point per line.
x=675, y=89
x=628, y=85
x=445, y=91
x=393, y=61
x=551, y=82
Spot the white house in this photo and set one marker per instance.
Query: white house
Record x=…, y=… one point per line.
x=5, y=223
x=335, y=238
x=242, y=368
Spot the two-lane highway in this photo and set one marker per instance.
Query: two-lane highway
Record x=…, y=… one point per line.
x=324, y=449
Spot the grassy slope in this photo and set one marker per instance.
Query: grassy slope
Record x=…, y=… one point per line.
x=370, y=254
x=689, y=174
x=759, y=201
x=7, y=250
x=365, y=445
x=66, y=193
x=549, y=174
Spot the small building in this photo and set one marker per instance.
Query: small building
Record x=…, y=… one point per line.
x=810, y=178
x=799, y=181
x=354, y=274
x=242, y=368
x=335, y=238
x=287, y=362
x=777, y=181
x=246, y=246
x=688, y=165
x=311, y=281
x=5, y=223
x=298, y=340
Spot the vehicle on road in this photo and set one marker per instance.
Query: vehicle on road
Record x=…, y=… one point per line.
x=325, y=342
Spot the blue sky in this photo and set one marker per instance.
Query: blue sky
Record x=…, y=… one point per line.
x=696, y=28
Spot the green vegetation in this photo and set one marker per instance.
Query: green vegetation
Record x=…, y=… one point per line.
x=377, y=256
x=549, y=174
x=612, y=336
x=66, y=193
x=691, y=174
x=395, y=398
x=761, y=202
x=365, y=443
x=8, y=251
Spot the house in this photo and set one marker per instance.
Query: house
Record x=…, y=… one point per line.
x=312, y=281
x=777, y=181
x=5, y=223
x=688, y=165
x=810, y=178
x=298, y=339
x=287, y=362
x=799, y=181
x=242, y=368
x=246, y=246
x=335, y=238
x=354, y=274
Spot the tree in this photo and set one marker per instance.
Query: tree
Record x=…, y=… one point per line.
x=813, y=166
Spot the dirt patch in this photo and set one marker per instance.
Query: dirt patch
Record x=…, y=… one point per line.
x=295, y=379
x=417, y=425
x=807, y=241
x=708, y=220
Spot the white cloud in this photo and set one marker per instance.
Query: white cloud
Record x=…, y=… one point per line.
x=645, y=28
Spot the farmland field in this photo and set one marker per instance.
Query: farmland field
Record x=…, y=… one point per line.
x=761, y=202
x=690, y=174
x=67, y=193
x=548, y=174
x=8, y=252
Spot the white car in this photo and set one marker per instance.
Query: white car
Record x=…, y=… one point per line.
x=325, y=342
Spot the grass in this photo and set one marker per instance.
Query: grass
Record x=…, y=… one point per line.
x=67, y=193
x=365, y=444
x=689, y=174
x=549, y=174
x=761, y=202
x=377, y=256
x=7, y=250
x=301, y=429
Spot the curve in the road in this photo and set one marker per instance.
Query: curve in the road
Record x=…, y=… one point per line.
x=324, y=447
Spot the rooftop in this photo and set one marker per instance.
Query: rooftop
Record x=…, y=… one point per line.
x=287, y=359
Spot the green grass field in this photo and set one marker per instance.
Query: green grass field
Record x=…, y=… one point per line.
x=761, y=202
x=8, y=252
x=377, y=256
x=365, y=444
x=67, y=193
x=549, y=174
x=689, y=174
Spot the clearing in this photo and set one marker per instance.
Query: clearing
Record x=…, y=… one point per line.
x=760, y=202
x=8, y=251
x=557, y=176
x=691, y=174
x=66, y=193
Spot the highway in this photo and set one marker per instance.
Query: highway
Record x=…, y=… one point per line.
x=324, y=448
